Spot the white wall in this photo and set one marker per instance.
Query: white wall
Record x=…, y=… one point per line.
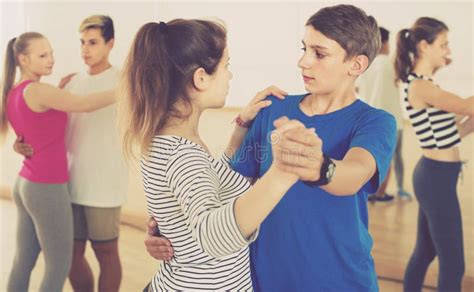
x=264, y=38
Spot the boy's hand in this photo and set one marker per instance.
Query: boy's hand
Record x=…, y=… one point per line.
x=65, y=80
x=22, y=148
x=157, y=246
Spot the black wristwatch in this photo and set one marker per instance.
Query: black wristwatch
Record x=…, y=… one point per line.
x=326, y=173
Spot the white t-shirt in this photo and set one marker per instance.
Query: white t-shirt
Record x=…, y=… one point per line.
x=377, y=87
x=98, y=172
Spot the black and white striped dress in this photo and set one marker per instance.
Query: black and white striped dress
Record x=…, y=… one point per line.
x=192, y=195
x=433, y=127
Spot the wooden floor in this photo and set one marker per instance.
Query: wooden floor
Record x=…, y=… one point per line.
x=138, y=268
x=393, y=227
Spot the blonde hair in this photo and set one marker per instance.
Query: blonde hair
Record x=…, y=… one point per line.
x=102, y=22
x=15, y=47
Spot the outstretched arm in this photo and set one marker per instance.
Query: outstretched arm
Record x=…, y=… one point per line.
x=352, y=172
x=46, y=96
x=366, y=161
x=466, y=126
x=432, y=95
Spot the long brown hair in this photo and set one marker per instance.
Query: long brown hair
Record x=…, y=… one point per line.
x=425, y=28
x=15, y=47
x=159, y=72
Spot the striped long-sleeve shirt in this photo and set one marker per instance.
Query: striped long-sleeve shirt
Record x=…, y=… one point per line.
x=191, y=195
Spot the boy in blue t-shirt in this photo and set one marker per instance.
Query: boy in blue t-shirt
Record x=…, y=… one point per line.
x=316, y=238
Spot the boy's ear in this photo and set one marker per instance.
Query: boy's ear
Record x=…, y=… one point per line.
x=200, y=79
x=360, y=63
x=110, y=44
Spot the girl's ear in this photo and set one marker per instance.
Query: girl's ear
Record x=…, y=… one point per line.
x=201, y=79
x=23, y=60
x=422, y=46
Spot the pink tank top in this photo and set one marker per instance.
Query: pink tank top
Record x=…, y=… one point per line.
x=45, y=133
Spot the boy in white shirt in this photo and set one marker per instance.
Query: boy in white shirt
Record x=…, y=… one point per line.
x=98, y=173
x=377, y=87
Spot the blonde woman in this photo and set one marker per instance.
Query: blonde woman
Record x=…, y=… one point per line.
x=36, y=111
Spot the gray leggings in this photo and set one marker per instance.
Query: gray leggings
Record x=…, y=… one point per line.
x=44, y=222
x=439, y=226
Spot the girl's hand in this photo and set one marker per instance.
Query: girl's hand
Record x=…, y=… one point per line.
x=249, y=112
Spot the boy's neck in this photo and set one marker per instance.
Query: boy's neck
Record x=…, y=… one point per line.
x=99, y=68
x=321, y=104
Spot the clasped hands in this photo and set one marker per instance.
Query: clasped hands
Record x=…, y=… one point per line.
x=297, y=150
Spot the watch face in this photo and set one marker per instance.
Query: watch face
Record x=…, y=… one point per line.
x=331, y=169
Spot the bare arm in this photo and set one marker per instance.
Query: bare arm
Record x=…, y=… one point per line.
x=432, y=95
x=459, y=119
x=353, y=172
x=248, y=114
x=46, y=96
x=466, y=126
x=370, y=148
x=255, y=205
x=236, y=139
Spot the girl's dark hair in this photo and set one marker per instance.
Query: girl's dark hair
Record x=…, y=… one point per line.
x=15, y=47
x=425, y=28
x=159, y=72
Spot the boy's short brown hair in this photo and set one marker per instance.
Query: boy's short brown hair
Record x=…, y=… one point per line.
x=355, y=31
x=103, y=22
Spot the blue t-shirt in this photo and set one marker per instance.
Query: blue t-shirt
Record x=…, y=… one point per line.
x=313, y=240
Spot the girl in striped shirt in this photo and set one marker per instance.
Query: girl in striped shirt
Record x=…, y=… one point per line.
x=210, y=213
x=421, y=51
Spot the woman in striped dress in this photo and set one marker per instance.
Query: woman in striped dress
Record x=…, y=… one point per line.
x=210, y=213
x=421, y=51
